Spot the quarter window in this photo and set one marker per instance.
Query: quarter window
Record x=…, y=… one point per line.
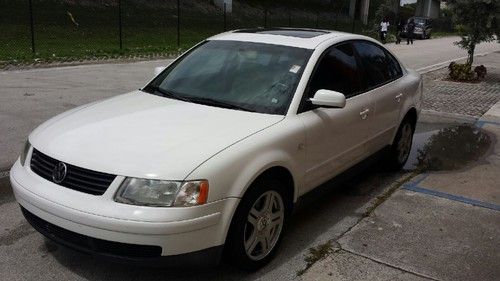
x=393, y=66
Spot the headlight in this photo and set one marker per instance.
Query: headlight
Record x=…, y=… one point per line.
x=24, y=154
x=160, y=193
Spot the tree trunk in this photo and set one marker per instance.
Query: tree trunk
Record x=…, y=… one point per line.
x=470, y=52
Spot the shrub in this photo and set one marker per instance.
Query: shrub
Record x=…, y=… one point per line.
x=461, y=72
x=480, y=71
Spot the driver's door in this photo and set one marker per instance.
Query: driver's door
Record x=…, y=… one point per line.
x=336, y=137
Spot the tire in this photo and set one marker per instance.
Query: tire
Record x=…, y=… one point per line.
x=401, y=146
x=258, y=227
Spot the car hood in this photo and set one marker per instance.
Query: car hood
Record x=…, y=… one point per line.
x=143, y=135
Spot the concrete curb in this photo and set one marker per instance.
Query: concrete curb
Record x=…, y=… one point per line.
x=432, y=116
x=444, y=64
x=493, y=114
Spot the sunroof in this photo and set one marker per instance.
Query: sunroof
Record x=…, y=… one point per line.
x=301, y=33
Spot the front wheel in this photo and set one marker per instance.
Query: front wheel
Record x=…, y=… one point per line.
x=258, y=225
x=399, y=151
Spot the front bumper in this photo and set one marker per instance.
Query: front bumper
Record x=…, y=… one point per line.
x=121, y=252
x=171, y=231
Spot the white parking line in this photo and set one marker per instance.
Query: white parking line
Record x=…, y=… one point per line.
x=437, y=66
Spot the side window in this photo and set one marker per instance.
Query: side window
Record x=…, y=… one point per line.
x=337, y=71
x=394, y=67
x=375, y=62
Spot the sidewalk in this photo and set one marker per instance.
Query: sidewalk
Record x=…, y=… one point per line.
x=442, y=225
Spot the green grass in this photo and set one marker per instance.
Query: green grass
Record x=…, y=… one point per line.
x=315, y=254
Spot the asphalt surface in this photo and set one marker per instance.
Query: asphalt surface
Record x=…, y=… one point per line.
x=32, y=96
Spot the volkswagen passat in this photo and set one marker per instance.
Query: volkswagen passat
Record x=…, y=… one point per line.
x=208, y=159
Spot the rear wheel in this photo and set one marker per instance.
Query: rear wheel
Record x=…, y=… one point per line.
x=258, y=225
x=401, y=147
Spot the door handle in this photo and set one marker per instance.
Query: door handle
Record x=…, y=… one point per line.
x=364, y=113
x=398, y=97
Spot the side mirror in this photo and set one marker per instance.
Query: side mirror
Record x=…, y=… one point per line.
x=327, y=98
x=159, y=69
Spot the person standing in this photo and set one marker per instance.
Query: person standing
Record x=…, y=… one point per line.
x=399, y=30
x=384, y=25
x=410, y=29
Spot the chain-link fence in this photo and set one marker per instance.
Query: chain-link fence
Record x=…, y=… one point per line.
x=71, y=29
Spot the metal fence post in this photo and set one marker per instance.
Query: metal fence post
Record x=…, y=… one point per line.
x=354, y=18
x=32, y=27
x=120, y=23
x=178, y=23
x=289, y=17
x=265, y=17
x=225, y=20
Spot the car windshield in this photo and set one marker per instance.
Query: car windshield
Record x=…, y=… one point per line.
x=238, y=75
x=419, y=21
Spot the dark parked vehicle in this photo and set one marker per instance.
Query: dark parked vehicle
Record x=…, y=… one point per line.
x=423, y=28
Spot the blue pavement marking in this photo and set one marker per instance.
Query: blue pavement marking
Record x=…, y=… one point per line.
x=413, y=186
x=452, y=197
x=481, y=123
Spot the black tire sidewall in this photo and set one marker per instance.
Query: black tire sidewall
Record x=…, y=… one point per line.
x=393, y=159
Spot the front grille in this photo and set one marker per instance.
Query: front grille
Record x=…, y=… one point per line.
x=88, y=244
x=77, y=178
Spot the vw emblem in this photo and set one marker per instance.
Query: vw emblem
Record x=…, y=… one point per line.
x=59, y=172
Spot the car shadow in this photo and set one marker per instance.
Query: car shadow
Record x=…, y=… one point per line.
x=320, y=215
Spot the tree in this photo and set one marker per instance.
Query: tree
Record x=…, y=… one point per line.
x=385, y=10
x=475, y=20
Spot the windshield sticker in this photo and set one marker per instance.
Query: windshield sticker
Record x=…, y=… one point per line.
x=274, y=100
x=295, y=68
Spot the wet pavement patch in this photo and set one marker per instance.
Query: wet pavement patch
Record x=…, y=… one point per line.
x=453, y=148
x=449, y=148
x=15, y=234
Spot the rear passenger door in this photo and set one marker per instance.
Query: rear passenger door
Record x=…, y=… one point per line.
x=383, y=74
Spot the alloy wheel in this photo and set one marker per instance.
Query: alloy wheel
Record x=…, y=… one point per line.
x=404, y=144
x=264, y=225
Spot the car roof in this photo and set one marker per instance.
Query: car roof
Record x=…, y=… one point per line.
x=294, y=37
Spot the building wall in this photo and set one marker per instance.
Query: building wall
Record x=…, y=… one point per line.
x=428, y=8
x=229, y=4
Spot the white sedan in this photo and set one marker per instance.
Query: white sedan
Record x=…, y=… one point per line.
x=207, y=160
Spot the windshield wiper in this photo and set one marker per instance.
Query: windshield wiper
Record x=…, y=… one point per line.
x=218, y=103
x=164, y=93
x=201, y=100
